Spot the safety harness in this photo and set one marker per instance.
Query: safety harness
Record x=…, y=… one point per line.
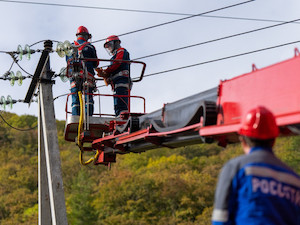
x=90, y=79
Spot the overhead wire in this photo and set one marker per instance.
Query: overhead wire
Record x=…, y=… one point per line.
x=93, y=7
x=41, y=41
x=207, y=62
x=15, y=60
x=226, y=7
x=169, y=22
x=210, y=41
x=210, y=61
x=31, y=75
x=189, y=16
x=218, y=39
x=181, y=19
x=11, y=66
x=16, y=128
x=220, y=59
x=137, y=10
x=158, y=12
x=60, y=96
x=247, y=19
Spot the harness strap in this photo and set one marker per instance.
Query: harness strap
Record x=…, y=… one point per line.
x=122, y=85
x=123, y=73
x=82, y=46
x=90, y=79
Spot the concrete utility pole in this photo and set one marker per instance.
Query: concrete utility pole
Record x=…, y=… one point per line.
x=52, y=209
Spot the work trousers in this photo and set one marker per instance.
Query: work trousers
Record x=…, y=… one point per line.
x=120, y=103
x=89, y=101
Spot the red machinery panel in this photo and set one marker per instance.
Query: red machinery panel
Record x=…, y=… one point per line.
x=275, y=87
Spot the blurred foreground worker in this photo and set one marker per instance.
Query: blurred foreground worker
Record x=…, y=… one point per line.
x=257, y=188
x=85, y=50
x=118, y=73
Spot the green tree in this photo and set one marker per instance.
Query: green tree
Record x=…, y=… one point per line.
x=161, y=186
x=80, y=208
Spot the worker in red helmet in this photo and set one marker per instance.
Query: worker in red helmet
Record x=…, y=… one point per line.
x=257, y=188
x=83, y=83
x=118, y=73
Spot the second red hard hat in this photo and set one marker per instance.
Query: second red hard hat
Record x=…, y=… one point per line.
x=259, y=123
x=111, y=38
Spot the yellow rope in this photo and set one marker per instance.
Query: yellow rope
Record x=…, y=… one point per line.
x=80, y=128
x=84, y=163
x=80, y=125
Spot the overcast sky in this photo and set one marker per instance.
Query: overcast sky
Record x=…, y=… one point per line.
x=23, y=23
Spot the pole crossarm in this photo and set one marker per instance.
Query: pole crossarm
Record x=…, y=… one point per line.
x=39, y=71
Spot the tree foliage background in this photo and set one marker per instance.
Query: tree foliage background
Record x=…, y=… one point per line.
x=162, y=186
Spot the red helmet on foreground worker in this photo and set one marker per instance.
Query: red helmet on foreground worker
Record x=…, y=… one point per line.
x=259, y=123
x=83, y=31
x=111, y=44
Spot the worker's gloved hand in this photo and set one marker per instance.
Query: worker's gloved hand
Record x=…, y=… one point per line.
x=101, y=72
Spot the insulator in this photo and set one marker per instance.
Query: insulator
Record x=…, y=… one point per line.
x=68, y=48
x=63, y=76
x=12, y=78
x=3, y=102
x=20, y=52
x=19, y=77
x=28, y=51
x=63, y=71
x=60, y=49
x=9, y=101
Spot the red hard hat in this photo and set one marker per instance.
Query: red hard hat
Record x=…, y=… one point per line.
x=259, y=123
x=82, y=30
x=112, y=38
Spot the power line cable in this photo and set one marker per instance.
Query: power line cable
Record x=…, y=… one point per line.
x=247, y=19
x=218, y=39
x=138, y=11
x=101, y=8
x=41, y=41
x=265, y=20
x=11, y=66
x=197, y=44
x=154, y=26
x=95, y=7
x=220, y=59
x=60, y=96
x=31, y=128
x=15, y=61
x=147, y=11
x=31, y=75
x=206, y=62
x=181, y=19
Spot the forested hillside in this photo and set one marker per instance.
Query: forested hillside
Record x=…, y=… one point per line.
x=162, y=186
